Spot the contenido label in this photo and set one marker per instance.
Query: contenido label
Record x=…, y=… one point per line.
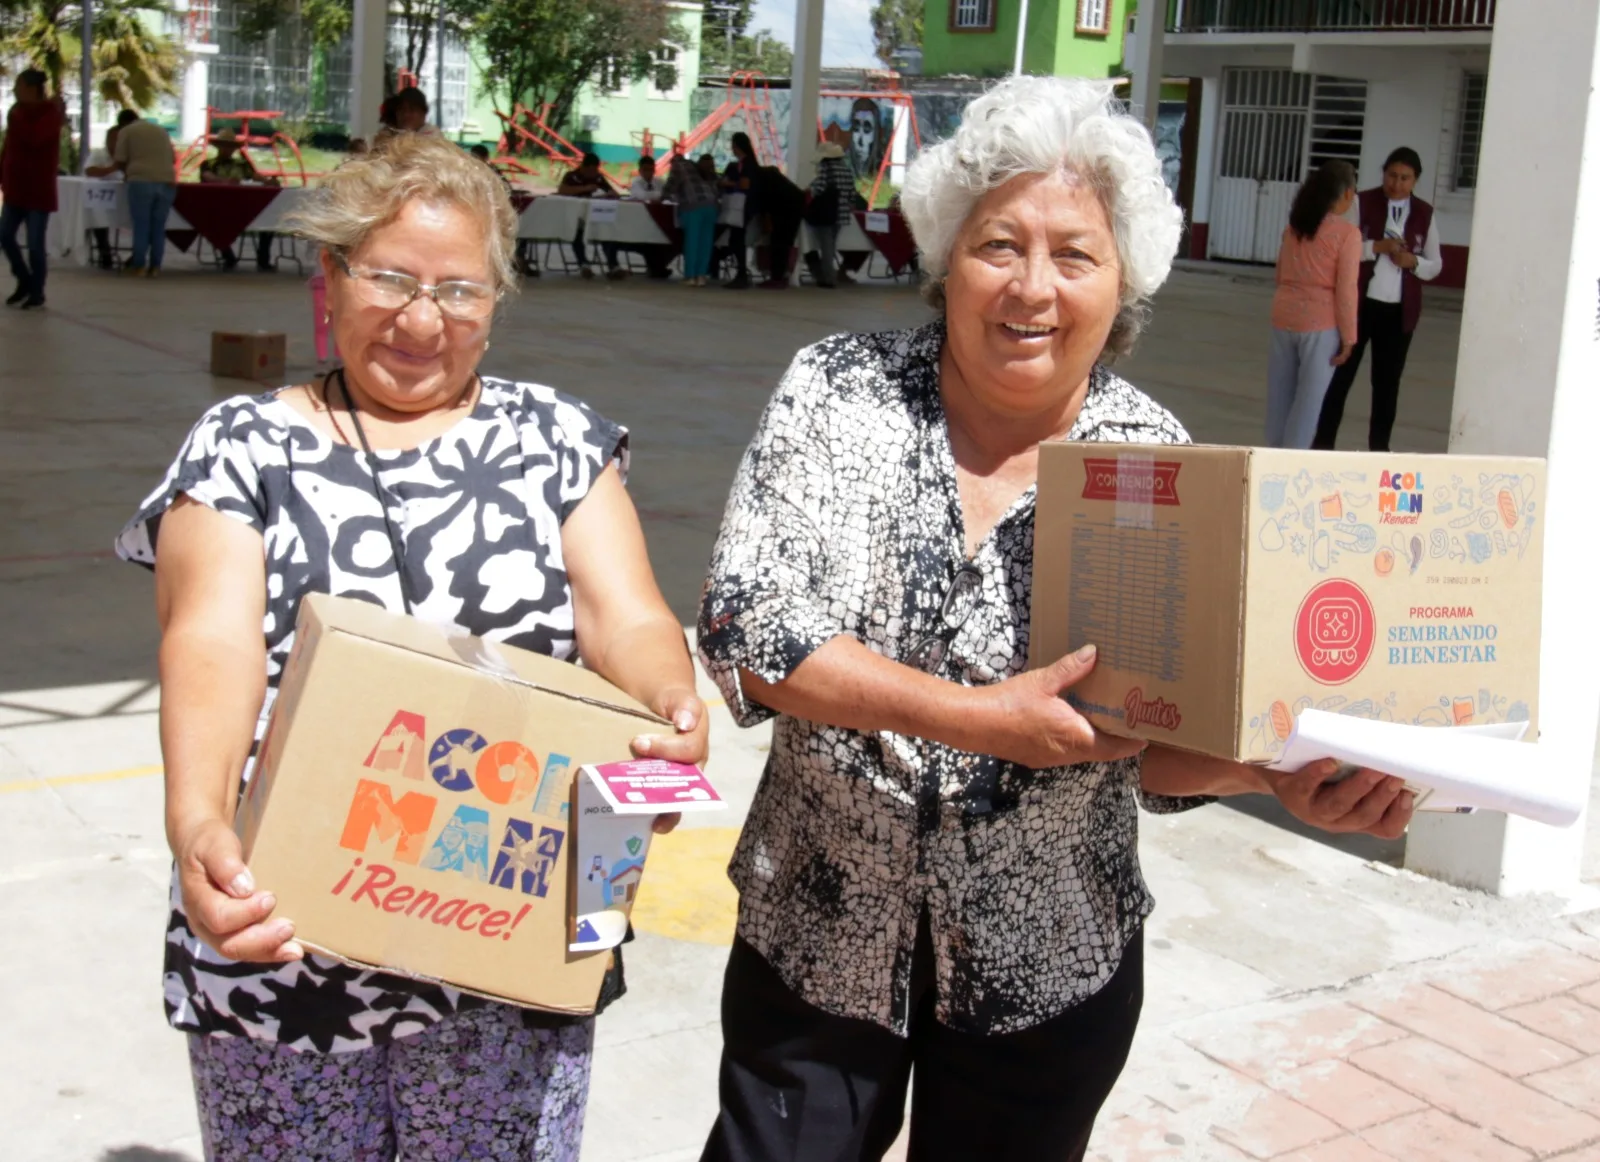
x=1334, y=631
x=1131, y=479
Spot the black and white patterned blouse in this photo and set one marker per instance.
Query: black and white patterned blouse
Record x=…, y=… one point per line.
x=479, y=510
x=845, y=520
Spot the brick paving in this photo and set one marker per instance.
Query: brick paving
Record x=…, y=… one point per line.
x=1473, y=1058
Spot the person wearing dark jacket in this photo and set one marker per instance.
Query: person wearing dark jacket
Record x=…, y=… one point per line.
x=1399, y=252
x=590, y=181
x=28, y=163
x=781, y=204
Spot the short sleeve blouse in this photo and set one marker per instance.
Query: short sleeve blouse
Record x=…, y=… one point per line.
x=479, y=511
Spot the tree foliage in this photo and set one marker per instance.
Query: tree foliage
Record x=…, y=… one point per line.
x=896, y=25
x=132, y=66
x=727, y=44
x=538, y=51
x=326, y=22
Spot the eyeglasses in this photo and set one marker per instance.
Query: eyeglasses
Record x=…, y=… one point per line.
x=467, y=301
x=959, y=602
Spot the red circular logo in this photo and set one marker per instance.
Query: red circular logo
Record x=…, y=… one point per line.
x=1334, y=631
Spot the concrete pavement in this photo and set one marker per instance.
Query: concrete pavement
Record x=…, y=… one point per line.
x=1305, y=1000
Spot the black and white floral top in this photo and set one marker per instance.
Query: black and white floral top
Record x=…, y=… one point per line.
x=479, y=510
x=845, y=519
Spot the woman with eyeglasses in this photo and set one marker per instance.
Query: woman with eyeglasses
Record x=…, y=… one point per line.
x=411, y=480
x=939, y=877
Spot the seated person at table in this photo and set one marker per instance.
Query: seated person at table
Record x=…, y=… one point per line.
x=231, y=167
x=103, y=167
x=588, y=181
x=649, y=188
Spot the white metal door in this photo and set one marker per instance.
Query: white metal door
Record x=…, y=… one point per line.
x=1277, y=126
x=1266, y=115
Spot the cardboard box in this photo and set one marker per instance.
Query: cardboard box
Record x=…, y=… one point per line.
x=1227, y=589
x=410, y=802
x=258, y=355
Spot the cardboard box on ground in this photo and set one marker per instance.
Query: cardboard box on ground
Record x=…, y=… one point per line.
x=255, y=355
x=1227, y=589
x=410, y=805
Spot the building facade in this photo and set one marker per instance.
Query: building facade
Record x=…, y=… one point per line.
x=1286, y=84
x=1066, y=38
x=310, y=85
x=613, y=115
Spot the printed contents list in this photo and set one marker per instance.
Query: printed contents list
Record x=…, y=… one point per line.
x=1127, y=596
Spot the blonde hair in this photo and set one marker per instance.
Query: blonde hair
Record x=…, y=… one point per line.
x=1042, y=125
x=368, y=192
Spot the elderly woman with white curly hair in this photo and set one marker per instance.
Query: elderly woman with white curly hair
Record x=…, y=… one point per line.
x=939, y=874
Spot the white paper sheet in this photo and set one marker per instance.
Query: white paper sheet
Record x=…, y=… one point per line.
x=1451, y=768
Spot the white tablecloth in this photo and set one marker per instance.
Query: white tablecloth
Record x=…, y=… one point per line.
x=552, y=217
x=633, y=225
x=85, y=204
x=556, y=218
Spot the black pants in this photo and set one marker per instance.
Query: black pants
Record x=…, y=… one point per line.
x=102, y=247
x=737, y=244
x=609, y=249
x=264, y=241
x=780, y=244
x=799, y=1085
x=1382, y=325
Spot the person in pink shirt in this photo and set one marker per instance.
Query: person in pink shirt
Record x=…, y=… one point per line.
x=1314, y=309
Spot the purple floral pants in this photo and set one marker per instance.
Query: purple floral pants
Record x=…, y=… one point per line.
x=476, y=1085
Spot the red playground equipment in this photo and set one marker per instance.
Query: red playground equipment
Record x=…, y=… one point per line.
x=748, y=98
x=525, y=131
x=287, y=164
x=898, y=99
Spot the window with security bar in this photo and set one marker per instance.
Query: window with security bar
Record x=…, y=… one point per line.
x=1094, y=16
x=614, y=77
x=1338, y=120
x=666, y=57
x=973, y=15
x=1469, y=129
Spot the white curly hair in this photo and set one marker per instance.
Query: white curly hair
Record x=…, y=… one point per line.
x=1031, y=125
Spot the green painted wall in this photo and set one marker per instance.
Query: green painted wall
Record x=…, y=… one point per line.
x=1054, y=46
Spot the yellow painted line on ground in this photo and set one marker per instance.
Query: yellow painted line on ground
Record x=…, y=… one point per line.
x=686, y=894
x=73, y=780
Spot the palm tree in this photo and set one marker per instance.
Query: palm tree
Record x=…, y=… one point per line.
x=132, y=64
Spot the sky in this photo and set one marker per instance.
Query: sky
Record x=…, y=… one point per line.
x=846, y=30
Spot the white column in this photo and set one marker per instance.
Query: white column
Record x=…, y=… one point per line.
x=804, y=81
x=1022, y=37
x=85, y=86
x=901, y=147
x=1525, y=385
x=196, y=82
x=1205, y=152
x=1144, y=63
x=369, y=30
